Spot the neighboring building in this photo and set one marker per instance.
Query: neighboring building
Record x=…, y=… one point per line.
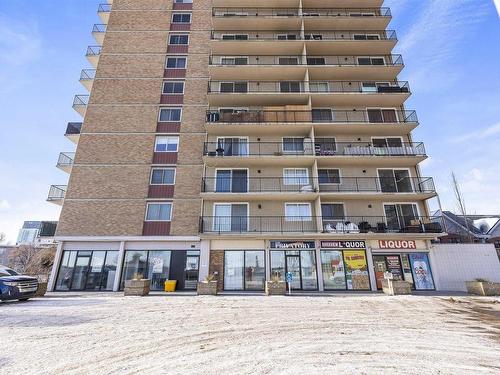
x=244, y=142
x=5, y=251
x=37, y=233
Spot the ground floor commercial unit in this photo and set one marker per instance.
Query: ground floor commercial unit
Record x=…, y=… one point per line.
x=313, y=264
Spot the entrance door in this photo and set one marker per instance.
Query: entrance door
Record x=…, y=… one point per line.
x=80, y=272
x=293, y=266
x=191, y=276
x=380, y=268
x=387, y=263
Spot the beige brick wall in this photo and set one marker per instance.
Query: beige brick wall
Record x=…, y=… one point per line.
x=121, y=118
x=131, y=66
x=185, y=217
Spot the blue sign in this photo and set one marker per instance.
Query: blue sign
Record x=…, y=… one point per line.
x=289, y=277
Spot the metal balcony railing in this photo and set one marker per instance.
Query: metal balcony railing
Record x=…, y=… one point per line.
x=310, y=87
x=312, y=35
x=87, y=74
x=73, y=128
x=228, y=12
x=316, y=116
x=99, y=28
x=57, y=192
x=240, y=185
x=81, y=101
x=93, y=51
x=239, y=148
x=308, y=224
x=66, y=159
x=310, y=60
x=104, y=8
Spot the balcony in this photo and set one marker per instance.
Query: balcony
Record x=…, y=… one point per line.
x=293, y=41
x=308, y=188
x=319, y=67
x=304, y=152
x=98, y=32
x=103, y=12
x=295, y=3
x=73, y=130
x=80, y=104
x=65, y=161
x=57, y=194
x=291, y=18
x=87, y=77
x=347, y=225
x=93, y=54
x=322, y=93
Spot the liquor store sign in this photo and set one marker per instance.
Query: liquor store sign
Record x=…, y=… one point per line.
x=397, y=244
x=343, y=244
x=293, y=245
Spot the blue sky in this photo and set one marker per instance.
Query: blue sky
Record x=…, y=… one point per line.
x=451, y=50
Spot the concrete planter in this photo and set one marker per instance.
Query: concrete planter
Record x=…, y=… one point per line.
x=207, y=288
x=275, y=288
x=396, y=287
x=137, y=287
x=42, y=289
x=483, y=288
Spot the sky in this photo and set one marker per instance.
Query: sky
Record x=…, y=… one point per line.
x=451, y=50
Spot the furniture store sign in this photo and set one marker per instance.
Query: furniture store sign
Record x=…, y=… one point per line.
x=397, y=244
x=293, y=245
x=343, y=244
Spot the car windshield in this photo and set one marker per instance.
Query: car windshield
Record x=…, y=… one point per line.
x=7, y=272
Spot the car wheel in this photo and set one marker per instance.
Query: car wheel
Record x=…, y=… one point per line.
x=23, y=299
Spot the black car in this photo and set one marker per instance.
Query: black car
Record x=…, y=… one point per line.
x=15, y=286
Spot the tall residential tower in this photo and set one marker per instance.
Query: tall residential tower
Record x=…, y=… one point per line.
x=247, y=139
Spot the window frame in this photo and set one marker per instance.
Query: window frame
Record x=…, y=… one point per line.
x=162, y=169
x=148, y=204
x=167, y=137
x=176, y=57
x=179, y=35
x=181, y=14
x=330, y=183
x=174, y=83
x=295, y=177
x=298, y=218
x=169, y=108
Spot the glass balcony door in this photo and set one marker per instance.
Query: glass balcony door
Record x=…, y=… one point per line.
x=231, y=217
x=395, y=181
x=231, y=181
x=400, y=216
x=232, y=147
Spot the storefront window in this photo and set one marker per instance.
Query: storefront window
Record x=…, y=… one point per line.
x=66, y=270
x=244, y=270
x=278, y=265
x=300, y=263
x=356, y=270
x=332, y=264
x=405, y=262
x=308, y=270
x=135, y=265
x=158, y=268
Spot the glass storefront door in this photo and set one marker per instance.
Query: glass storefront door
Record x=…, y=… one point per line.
x=192, y=267
x=80, y=272
x=302, y=265
x=293, y=266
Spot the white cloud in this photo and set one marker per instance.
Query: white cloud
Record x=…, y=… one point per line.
x=4, y=205
x=497, y=4
x=478, y=134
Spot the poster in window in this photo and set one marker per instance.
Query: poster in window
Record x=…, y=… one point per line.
x=356, y=270
x=421, y=271
x=394, y=266
x=157, y=265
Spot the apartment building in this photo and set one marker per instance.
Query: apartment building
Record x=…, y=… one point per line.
x=245, y=139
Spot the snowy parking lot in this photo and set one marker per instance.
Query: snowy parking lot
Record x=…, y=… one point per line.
x=95, y=333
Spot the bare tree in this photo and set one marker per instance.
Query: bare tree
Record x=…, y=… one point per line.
x=29, y=260
x=460, y=201
x=2, y=237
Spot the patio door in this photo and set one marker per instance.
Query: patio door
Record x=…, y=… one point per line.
x=231, y=181
x=399, y=216
x=80, y=272
x=395, y=181
x=231, y=217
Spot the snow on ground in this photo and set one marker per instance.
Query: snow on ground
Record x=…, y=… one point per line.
x=96, y=333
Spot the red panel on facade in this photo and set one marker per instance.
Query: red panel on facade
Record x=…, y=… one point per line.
x=172, y=99
x=168, y=127
x=175, y=73
x=165, y=158
x=161, y=191
x=180, y=27
x=177, y=49
x=156, y=228
x=180, y=6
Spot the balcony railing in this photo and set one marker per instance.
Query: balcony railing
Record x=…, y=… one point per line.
x=66, y=159
x=308, y=224
x=93, y=51
x=104, y=8
x=312, y=35
x=308, y=148
x=221, y=185
x=73, y=128
x=229, y=12
x=99, y=28
x=318, y=116
x=317, y=61
x=87, y=74
x=57, y=192
x=310, y=87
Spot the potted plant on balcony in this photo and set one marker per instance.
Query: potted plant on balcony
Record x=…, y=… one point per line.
x=137, y=286
x=208, y=287
x=483, y=287
x=275, y=286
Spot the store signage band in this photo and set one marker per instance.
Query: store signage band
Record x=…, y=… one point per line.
x=343, y=244
x=397, y=244
x=293, y=245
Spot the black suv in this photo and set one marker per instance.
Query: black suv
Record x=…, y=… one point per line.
x=15, y=286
